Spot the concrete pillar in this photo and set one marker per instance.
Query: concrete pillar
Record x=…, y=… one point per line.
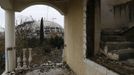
x=10, y=55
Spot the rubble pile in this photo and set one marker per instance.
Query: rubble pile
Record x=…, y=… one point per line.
x=48, y=68
x=46, y=62
x=122, y=67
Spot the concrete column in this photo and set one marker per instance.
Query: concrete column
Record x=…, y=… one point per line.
x=10, y=40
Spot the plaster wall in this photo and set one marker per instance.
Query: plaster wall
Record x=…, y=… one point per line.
x=114, y=17
x=74, y=53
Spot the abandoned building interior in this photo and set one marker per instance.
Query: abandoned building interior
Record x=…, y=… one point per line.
x=98, y=34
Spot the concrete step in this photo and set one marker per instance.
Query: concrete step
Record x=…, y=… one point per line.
x=113, y=38
x=122, y=54
x=129, y=62
x=113, y=31
x=118, y=45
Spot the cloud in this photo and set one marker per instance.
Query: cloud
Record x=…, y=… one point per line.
x=2, y=17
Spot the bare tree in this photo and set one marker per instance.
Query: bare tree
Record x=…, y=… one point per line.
x=24, y=32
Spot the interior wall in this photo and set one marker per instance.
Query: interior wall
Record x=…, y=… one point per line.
x=107, y=19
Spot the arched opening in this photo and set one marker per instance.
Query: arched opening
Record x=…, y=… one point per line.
x=42, y=3
x=45, y=11
x=28, y=33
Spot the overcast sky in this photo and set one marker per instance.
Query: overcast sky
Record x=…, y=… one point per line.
x=36, y=11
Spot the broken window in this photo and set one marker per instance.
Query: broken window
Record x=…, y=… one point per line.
x=90, y=24
x=117, y=33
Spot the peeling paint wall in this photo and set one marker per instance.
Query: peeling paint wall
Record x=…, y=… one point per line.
x=121, y=14
x=116, y=13
x=74, y=53
x=107, y=17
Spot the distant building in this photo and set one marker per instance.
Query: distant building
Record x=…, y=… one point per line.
x=52, y=29
x=32, y=29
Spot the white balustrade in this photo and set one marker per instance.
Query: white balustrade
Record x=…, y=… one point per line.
x=18, y=63
x=24, y=59
x=106, y=49
x=30, y=57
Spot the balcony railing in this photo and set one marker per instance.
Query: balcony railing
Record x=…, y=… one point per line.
x=26, y=62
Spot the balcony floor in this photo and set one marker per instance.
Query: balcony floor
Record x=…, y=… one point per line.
x=57, y=71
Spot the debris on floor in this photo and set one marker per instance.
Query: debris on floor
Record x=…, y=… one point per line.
x=48, y=68
x=122, y=67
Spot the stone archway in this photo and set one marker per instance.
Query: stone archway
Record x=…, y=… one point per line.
x=42, y=3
